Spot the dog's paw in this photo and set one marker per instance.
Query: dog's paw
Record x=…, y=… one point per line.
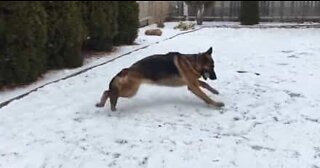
x=216, y=105
x=219, y=104
x=113, y=108
x=215, y=92
x=99, y=105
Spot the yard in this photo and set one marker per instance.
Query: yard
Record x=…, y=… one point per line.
x=268, y=78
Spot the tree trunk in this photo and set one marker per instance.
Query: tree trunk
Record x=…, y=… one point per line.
x=199, y=17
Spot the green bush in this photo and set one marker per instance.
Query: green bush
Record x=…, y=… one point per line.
x=23, y=37
x=100, y=18
x=2, y=46
x=128, y=22
x=65, y=34
x=249, y=12
x=35, y=36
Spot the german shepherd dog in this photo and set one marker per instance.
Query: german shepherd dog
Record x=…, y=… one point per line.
x=171, y=69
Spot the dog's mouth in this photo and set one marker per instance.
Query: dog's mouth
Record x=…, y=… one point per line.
x=211, y=75
x=206, y=75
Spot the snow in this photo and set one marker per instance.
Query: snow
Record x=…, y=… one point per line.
x=271, y=117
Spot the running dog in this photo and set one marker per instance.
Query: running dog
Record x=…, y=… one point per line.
x=172, y=69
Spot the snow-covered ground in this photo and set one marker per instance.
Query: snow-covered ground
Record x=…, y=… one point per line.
x=271, y=117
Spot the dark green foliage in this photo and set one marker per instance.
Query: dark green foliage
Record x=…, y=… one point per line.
x=36, y=36
x=249, y=13
x=2, y=46
x=65, y=34
x=100, y=18
x=23, y=34
x=128, y=22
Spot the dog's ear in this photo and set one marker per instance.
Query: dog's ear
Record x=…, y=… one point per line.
x=209, y=51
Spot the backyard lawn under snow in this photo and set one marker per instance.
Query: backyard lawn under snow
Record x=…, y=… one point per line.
x=271, y=117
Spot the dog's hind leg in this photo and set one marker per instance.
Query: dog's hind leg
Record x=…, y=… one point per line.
x=103, y=98
x=114, y=95
x=208, y=87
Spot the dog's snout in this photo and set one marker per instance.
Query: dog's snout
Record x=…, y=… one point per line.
x=213, y=76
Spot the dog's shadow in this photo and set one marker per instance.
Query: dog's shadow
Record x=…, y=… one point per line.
x=160, y=103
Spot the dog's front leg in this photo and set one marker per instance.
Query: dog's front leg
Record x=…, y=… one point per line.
x=191, y=78
x=208, y=87
x=198, y=92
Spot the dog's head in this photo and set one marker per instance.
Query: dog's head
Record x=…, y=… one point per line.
x=207, y=65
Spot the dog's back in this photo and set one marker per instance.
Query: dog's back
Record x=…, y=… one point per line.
x=157, y=67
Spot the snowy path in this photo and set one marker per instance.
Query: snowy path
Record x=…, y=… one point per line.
x=271, y=119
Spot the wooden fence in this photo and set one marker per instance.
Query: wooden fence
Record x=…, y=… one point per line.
x=282, y=11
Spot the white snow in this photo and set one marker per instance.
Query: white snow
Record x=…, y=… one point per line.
x=270, y=120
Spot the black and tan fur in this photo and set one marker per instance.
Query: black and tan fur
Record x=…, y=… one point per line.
x=172, y=69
